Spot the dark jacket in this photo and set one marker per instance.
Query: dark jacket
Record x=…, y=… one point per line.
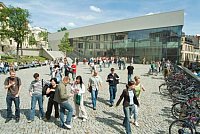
x=126, y=101
x=114, y=80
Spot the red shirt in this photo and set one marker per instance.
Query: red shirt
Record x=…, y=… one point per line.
x=73, y=68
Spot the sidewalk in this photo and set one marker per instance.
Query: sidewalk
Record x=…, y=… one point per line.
x=154, y=111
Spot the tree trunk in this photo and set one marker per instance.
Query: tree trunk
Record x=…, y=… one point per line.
x=17, y=52
x=21, y=49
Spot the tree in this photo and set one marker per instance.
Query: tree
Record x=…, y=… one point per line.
x=62, y=29
x=64, y=45
x=32, y=40
x=43, y=35
x=15, y=21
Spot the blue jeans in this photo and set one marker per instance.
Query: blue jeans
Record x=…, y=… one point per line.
x=65, y=105
x=135, y=113
x=100, y=68
x=9, y=100
x=130, y=77
x=126, y=122
x=6, y=69
x=112, y=90
x=34, y=99
x=94, y=94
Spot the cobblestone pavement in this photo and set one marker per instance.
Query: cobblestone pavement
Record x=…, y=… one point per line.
x=154, y=111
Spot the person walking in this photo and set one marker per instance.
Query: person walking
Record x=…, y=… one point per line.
x=113, y=80
x=50, y=93
x=95, y=83
x=35, y=92
x=62, y=96
x=12, y=84
x=138, y=89
x=129, y=100
x=130, y=69
x=73, y=66
x=78, y=88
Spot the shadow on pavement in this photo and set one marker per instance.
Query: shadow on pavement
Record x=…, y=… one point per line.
x=112, y=123
x=114, y=115
x=102, y=100
x=25, y=112
x=88, y=104
x=166, y=112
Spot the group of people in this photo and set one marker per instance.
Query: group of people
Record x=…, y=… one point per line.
x=60, y=90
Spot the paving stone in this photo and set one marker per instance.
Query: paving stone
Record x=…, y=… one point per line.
x=154, y=110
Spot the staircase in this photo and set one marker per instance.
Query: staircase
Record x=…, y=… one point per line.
x=56, y=54
x=76, y=54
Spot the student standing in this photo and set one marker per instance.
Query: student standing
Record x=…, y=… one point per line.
x=12, y=85
x=35, y=92
x=50, y=93
x=78, y=88
x=62, y=95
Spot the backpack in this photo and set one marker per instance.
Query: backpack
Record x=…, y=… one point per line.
x=44, y=88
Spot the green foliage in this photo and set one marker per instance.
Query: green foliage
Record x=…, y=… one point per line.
x=32, y=40
x=62, y=29
x=43, y=35
x=64, y=45
x=15, y=24
x=23, y=59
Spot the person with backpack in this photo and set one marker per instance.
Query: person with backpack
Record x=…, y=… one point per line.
x=113, y=80
x=12, y=85
x=129, y=101
x=62, y=95
x=78, y=88
x=50, y=93
x=35, y=92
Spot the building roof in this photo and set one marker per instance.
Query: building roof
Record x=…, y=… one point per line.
x=166, y=19
x=2, y=5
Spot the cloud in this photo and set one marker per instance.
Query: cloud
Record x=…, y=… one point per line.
x=95, y=9
x=71, y=24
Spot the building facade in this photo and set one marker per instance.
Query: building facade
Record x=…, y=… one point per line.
x=190, y=49
x=152, y=37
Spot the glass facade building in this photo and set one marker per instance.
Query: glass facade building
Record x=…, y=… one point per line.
x=151, y=44
x=152, y=37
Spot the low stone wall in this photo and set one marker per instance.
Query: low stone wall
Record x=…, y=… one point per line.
x=37, y=52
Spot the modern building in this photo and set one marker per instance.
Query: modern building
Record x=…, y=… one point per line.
x=152, y=37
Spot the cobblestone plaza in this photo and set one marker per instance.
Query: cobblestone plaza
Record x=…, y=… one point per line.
x=154, y=111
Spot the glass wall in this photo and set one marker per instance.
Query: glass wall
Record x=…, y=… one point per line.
x=151, y=44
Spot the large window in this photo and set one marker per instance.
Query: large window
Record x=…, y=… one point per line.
x=97, y=37
x=97, y=45
x=105, y=37
x=80, y=45
x=90, y=45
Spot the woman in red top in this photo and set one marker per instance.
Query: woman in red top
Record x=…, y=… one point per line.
x=73, y=66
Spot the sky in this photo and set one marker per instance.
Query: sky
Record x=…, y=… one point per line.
x=54, y=14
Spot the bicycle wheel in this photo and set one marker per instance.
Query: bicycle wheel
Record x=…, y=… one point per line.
x=163, y=89
x=178, y=110
x=180, y=127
